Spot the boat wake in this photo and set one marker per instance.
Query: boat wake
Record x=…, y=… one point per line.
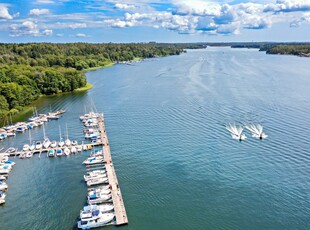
x=236, y=132
x=257, y=131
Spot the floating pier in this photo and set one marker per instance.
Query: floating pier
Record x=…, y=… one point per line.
x=119, y=207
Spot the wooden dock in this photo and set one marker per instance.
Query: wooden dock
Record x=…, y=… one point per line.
x=119, y=207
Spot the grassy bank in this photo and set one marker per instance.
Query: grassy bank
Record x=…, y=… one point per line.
x=98, y=67
x=86, y=87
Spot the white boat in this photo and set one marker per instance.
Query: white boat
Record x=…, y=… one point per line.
x=67, y=141
x=2, y=178
x=54, y=144
x=73, y=149
x=102, y=187
x=96, y=172
x=32, y=146
x=26, y=147
x=4, y=170
x=93, y=177
x=79, y=148
x=98, y=198
x=102, y=221
x=2, y=197
x=10, y=150
x=99, y=190
x=38, y=145
x=96, y=153
x=29, y=154
x=61, y=143
x=103, y=180
x=236, y=132
x=93, y=160
x=7, y=161
x=22, y=155
x=74, y=142
x=59, y=152
x=85, y=147
x=257, y=131
x=67, y=151
x=46, y=143
x=3, y=186
x=95, y=211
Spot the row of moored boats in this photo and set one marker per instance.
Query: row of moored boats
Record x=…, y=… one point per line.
x=6, y=166
x=100, y=209
x=35, y=121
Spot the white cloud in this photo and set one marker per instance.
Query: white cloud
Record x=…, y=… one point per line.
x=4, y=12
x=44, y=2
x=118, y=23
x=124, y=6
x=28, y=28
x=77, y=25
x=59, y=35
x=288, y=6
x=80, y=35
x=39, y=11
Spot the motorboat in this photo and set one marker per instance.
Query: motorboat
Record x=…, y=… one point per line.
x=84, y=147
x=79, y=148
x=3, y=186
x=59, y=152
x=94, y=211
x=74, y=142
x=102, y=180
x=4, y=170
x=3, y=178
x=22, y=155
x=46, y=143
x=38, y=145
x=32, y=147
x=102, y=187
x=8, y=162
x=26, y=147
x=93, y=160
x=96, y=153
x=67, y=151
x=11, y=134
x=20, y=129
x=236, y=132
x=98, y=198
x=99, y=190
x=102, y=221
x=257, y=131
x=11, y=150
x=54, y=144
x=51, y=153
x=29, y=154
x=96, y=172
x=98, y=176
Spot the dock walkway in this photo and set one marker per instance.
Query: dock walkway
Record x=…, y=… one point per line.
x=119, y=207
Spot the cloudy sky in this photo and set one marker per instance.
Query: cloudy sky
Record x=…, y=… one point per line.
x=154, y=20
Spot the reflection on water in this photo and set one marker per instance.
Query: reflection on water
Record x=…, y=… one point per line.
x=176, y=163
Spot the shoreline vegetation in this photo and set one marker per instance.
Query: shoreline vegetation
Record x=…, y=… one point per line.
x=31, y=70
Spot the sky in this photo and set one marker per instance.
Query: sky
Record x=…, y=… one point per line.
x=125, y=21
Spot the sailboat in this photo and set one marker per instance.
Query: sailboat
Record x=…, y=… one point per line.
x=67, y=142
x=27, y=147
x=46, y=142
x=236, y=132
x=61, y=141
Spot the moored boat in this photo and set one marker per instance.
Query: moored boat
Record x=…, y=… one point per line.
x=59, y=152
x=102, y=221
x=102, y=180
x=98, y=198
x=51, y=153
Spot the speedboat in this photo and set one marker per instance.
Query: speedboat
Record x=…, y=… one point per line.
x=93, y=160
x=98, y=176
x=54, y=144
x=26, y=147
x=3, y=186
x=102, y=221
x=38, y=145
x=67, y=151
x=236, y=132
x=46, y=143
x=97, y=198
x=92, y=182
x=51, y=153
x=29, y=154
x=59, y=152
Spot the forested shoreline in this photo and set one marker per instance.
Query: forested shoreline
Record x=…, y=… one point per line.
x=33, y=69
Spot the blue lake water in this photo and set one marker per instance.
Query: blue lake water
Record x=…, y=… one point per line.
x=177, y=165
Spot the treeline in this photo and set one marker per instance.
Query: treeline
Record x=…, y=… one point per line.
x=33, y=69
